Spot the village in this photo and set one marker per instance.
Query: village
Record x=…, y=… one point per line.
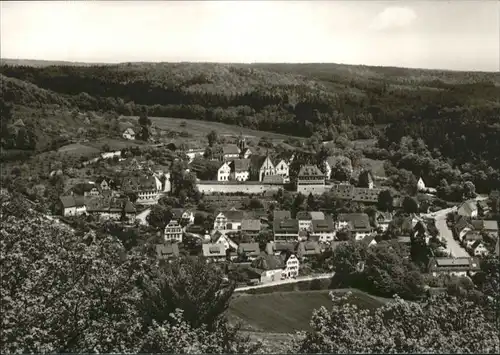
x=268, y=244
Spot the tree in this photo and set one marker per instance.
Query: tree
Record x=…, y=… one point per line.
x=443, y=324
x=193, y=286
x=469, y=189
x=341, y=170
x=410, y=205
x=159, y=216
x=213, y=138
x=255, y=204
x=178, y=337
x=85, y=293
x=365, y=178
x=144, y=120
x=385, y=201
x=311, y=202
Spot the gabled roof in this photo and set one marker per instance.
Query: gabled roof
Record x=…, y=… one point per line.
x=138, y=183
x=286, y=226
x=230, y=149
x=476, y=244
x=129, y=131
x=367, y=240
x=251, y=249
x=256, y=161
x=455, y=264
x=240, y=165
x=357, y=221
x=468, y=207
x=325, y=225
x=233, y=215
x=310, y=170
x=472, y=235
x=250, y=225
x=213, y=250
x=281, y=214
x=382, y=217
x=268, y=262
x=309, y=248
x=72, y=201
x=165, y=251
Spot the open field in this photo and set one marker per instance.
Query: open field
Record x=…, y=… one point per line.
x=200, y=128
x=287, y=312
x=77, y=149
x=115, y=144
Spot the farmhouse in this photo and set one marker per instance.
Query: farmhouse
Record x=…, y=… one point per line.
x=479, y=249
x=249, y=251
x=286, y=229
x=72, y=205
x=129, y=134
x=224, y=172
x=269, y=267
x=251, y=227
x=468, y=209
x=382, y=220
x=282, y=169
x=230, y=151
x=173, y=232
x=220, y=238
x=110, y=208
x=240, y=169
x=229, y=220
x=489, y=227
x=308, y=250
x=310, y=180
x=357, y=223
x=323, y=230
x=306, y=218
x=214, y=252
x=291, y=267
x=461, y=266
x=167, y=251
x=147, y=188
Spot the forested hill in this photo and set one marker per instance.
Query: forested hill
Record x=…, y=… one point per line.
x=321, y=100
x=297, y=99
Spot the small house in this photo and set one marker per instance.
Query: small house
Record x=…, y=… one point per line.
x=167, y=251
x=382, y=220
x=224, y=172
x=308, y=250
x=229, y=220
x=280, y=248
x=214, y=252
x=173, y=232
x=461, y=266
x=221, y=238
x=479, y=249
x=281, y=215
x=286, y=229
x=323, y=230
x=129, y=134
x=251, y=227
x=249, y=251
x=357, y=223
x=72, y=205
x=240, y=169
x=468, y=209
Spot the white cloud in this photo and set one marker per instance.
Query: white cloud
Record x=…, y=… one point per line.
x=393, y=18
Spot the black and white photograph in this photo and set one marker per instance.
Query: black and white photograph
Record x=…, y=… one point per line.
x=250, y=177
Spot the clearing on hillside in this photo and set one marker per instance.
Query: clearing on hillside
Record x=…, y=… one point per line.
x=287, y=312
x=200, y=128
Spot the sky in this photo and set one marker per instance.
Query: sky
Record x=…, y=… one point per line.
x=455, y=35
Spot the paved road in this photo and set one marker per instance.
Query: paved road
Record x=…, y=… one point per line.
x=452, y=246
x=287, y=281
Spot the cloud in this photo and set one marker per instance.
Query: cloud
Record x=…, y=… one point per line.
x=393, y=18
